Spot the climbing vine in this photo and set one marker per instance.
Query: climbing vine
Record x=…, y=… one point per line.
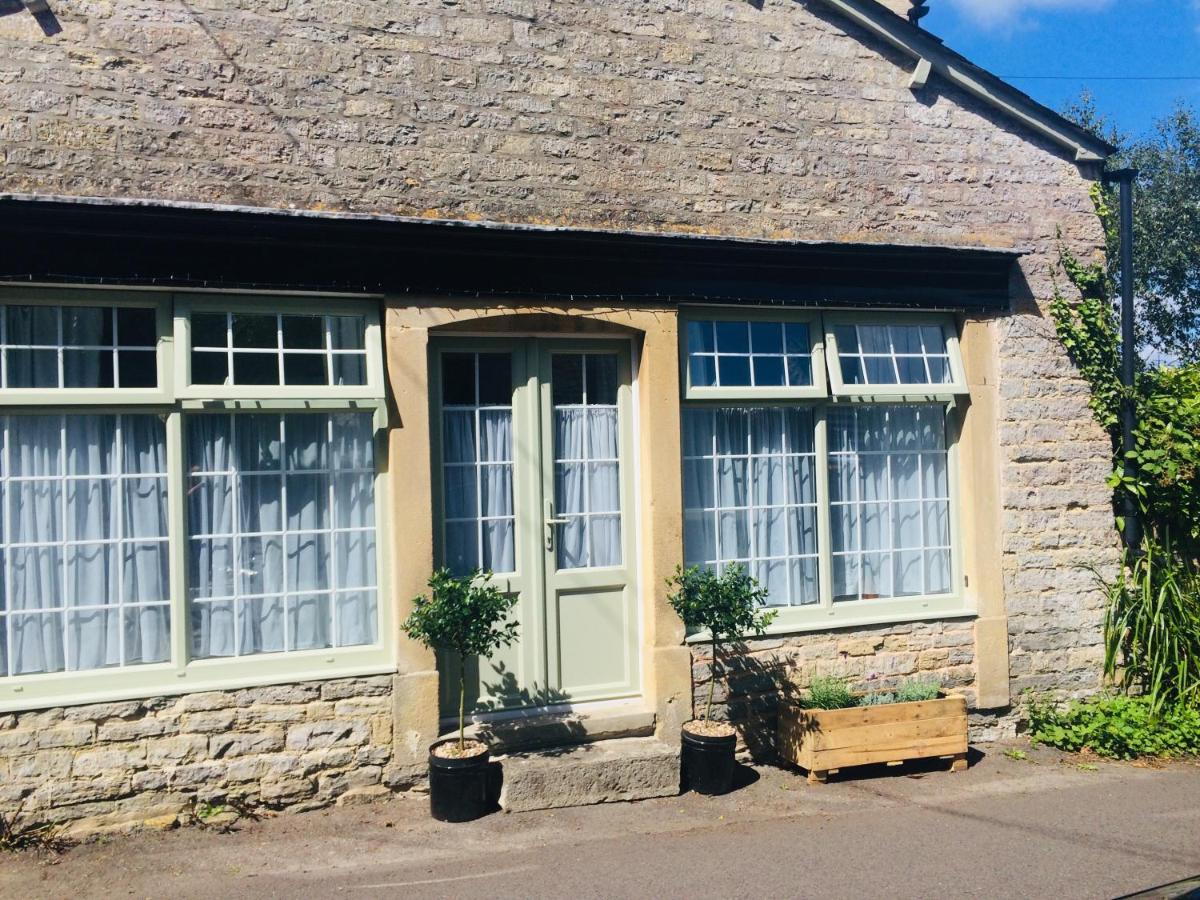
x=1165, y=471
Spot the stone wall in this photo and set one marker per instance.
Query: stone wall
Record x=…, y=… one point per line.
x=772, y=119
x=111, y=766
x=752, y=683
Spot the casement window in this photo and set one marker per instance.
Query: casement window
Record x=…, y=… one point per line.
x=821, y=458
x=172, y=522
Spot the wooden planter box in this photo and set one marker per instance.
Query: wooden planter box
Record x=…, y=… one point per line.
x=826, y=740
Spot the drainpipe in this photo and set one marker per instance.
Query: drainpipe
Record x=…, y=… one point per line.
x=1132, y=530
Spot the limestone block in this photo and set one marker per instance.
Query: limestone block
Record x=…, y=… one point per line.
x=626, y=769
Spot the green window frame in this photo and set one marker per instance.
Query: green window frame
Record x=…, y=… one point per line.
x=835, y=398
x=945, y=391
x=72, y=298
x=174, y=401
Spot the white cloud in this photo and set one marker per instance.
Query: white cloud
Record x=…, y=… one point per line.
x=1013, y=13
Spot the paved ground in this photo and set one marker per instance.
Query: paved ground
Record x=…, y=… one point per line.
x=1039, y=827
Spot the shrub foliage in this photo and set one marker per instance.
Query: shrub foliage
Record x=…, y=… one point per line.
x=1152, y=626
x=1165, y=477
x=727, y=605
x=1118, y=727
x=466, y=615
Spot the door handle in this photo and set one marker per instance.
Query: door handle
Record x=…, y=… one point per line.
x=551, y=520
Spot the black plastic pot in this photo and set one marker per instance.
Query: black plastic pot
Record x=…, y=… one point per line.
x=458, y=788
x=708, y=763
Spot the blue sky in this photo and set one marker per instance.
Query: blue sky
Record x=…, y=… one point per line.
x=1078, y=39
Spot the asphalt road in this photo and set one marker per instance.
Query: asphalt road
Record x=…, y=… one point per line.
x=1039, y=827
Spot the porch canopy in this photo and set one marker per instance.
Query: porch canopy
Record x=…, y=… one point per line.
x=186, y=245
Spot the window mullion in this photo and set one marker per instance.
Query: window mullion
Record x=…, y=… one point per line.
x=285, y=533
x=824, y=510
x=177, y=541
x=117, y=544
x=5, y=487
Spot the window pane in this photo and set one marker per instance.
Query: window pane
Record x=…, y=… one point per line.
x=889, y=504
x=209, y=368
x=939, y=369
x=255, y=368
x=305, y=531
x=458, y=379
x=799, y=371
x=892, y=354
x=87, y=326
x=32, y=368
x=495, y=379
x=567, y=378
x=601, y=378
x=307, y=368
x=750, y=496
x=75, y=517
x=88, y=353
x=587, y=478
x=347, y=332
x=32, y=325
x=766, y=337
x=349, y=369
x=253, y=330
x=733, y=371
x=733, y=337
x=135, y=327
x=768, y=371
x=88, y=368
x=303, y=333
x=137, y=368
x=700, y=337
x=703, y=371
x=796, y=340
x=754, y=354
x=209, y=330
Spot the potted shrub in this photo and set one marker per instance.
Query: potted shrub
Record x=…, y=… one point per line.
x=833, y=727
x=469, y=616
x=728, y=606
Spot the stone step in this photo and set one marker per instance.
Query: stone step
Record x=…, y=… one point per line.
x=534, y=731
x=581, y=775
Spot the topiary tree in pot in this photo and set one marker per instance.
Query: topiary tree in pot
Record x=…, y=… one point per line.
x=469, y=616
x=728, y=606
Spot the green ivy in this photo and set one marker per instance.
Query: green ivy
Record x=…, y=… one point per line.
x=1165, y=473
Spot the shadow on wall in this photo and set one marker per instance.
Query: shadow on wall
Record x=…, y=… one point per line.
x=39, y=9
x=551, y=733
x=749, y=694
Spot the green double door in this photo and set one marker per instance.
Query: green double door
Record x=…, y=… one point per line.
x=533, y=472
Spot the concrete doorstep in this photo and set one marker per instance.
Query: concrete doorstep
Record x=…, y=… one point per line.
x=636, y=768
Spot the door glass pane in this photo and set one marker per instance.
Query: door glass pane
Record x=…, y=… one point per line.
x=587, y=477
x=478, y=516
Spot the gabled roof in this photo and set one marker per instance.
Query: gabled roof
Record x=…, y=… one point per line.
x=932, y=56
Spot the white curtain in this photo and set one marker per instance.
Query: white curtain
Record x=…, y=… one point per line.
x=750, y=496
x=296, y=571
x=477, y=452
x=87, y=581
x=890, y=496
x=587, y=481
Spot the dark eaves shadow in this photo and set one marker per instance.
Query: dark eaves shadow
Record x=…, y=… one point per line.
x=39, y=9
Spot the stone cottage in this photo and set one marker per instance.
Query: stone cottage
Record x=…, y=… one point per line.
x=303, y=298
